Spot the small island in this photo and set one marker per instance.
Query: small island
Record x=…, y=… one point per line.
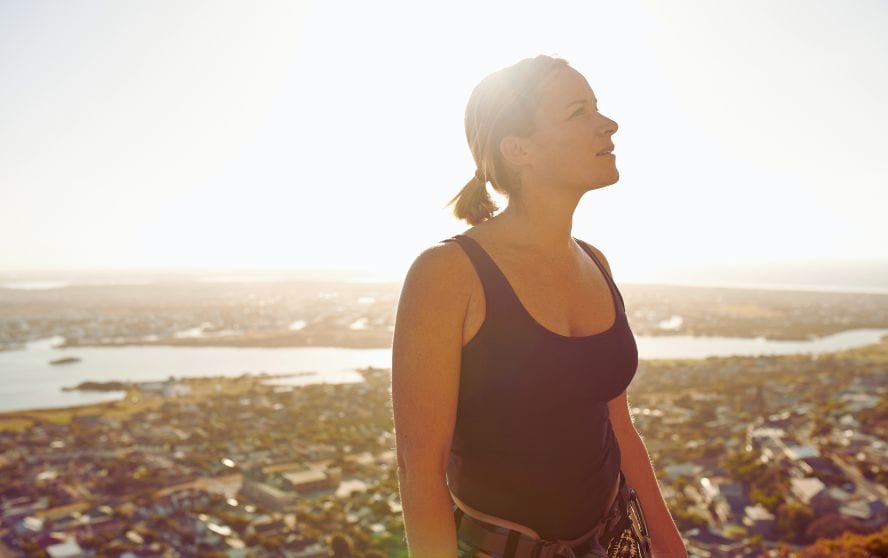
x=99, y=386
x=65, y=360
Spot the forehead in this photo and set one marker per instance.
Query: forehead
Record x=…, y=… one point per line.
x=562, y=88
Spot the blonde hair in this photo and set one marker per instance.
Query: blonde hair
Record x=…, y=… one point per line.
x=502, y=104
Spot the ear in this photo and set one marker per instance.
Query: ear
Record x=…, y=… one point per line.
x=515, y=150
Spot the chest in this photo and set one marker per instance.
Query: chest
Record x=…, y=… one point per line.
x=574, y=302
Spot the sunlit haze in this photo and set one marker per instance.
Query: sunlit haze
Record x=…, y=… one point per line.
x=329, y=136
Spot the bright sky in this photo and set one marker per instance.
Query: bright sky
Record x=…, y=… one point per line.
x=329, y=135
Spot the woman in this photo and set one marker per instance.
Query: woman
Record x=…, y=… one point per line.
x=512, y=353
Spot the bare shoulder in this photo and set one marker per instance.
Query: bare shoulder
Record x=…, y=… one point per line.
x=441, y=276
x=443, y=257
x=443, y=266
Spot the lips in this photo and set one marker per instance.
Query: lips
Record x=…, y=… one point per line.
x=606, y=151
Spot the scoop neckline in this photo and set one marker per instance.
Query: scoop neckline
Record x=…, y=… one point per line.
x=533, y=320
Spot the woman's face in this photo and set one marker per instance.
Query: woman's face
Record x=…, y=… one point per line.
x=571, y=134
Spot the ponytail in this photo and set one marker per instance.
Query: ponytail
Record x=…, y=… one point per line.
x=473, y=202
x=502, y=104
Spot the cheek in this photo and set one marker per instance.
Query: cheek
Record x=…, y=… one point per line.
x=585, y=132
x=571, y=146
x=568, y=141
x=579, y=143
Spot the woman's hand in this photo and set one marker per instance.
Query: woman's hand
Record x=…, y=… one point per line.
x=635, y=462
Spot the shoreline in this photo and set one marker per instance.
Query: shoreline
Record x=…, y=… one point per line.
x=134, y=395
x=877, y=351
x=383, y=339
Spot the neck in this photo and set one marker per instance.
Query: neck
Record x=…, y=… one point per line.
x=543, y=222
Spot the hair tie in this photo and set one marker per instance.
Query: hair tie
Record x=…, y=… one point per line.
x=479, y=176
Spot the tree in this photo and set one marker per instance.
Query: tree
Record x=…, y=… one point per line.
x=792, y=520
x=769, y=500
x=754, y=542
x=827, y=527
x=850, y=545
x=341, y=544
x=744, y=466
x=686, y=519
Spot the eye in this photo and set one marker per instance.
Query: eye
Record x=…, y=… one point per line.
x=578, y=111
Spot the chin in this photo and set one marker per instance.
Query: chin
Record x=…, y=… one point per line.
x=602, y=181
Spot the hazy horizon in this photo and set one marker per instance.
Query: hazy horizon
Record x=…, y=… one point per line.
x=286, y=136
x=839, y=276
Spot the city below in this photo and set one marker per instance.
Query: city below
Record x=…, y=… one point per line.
x=781, y=455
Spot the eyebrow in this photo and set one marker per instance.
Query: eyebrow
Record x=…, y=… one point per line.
x=579, y=101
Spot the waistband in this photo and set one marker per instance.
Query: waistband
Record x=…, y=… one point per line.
x=514, y=544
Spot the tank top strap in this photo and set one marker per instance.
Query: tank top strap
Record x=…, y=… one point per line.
x=496, y=286
x=607, y=276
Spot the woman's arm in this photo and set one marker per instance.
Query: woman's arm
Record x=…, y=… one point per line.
x=426, y=353
x=666, y=542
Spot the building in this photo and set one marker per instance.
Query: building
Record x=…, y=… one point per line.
x=67, y=549
x=266, y=495
x=758, y=520
x=690, y=470
x=796, y=453
x=813, y=493
x=312, y=480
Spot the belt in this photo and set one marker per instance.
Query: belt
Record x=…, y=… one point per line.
x=514, y=544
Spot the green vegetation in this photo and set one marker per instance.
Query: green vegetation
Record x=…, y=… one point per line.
x=849, y=545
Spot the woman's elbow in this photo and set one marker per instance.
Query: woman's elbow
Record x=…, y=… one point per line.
x=420, y=470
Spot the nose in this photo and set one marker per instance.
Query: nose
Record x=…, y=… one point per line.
x=607, y=126
x=611, y=126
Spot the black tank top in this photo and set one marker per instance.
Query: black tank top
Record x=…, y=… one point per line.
x=533, y=441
